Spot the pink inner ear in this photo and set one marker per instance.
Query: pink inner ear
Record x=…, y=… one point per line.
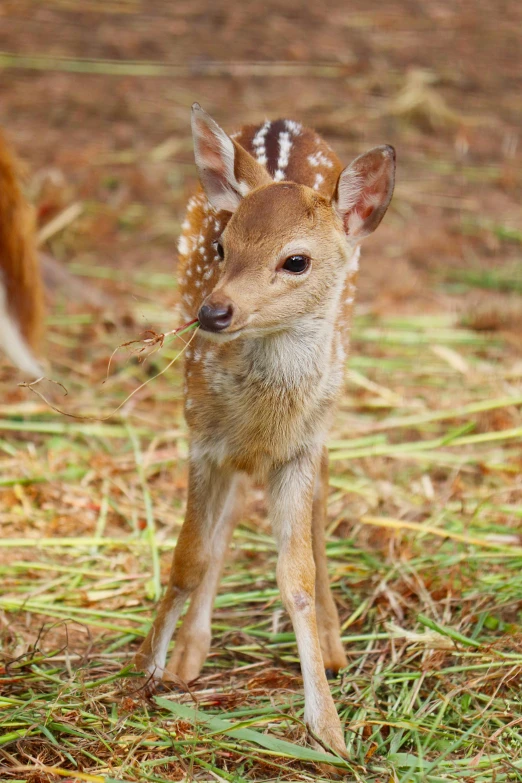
x=367, y=191
x=210, y=154
x=371, y=197
x=365, y=213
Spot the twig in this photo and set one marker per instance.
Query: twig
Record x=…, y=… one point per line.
x=157, y=338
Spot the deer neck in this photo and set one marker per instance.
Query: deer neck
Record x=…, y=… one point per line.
x=292, y=356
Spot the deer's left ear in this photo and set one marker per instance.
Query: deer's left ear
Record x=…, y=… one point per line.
x=364, y=191
x=227, y=171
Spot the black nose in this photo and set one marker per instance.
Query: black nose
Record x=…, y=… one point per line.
x=215, y=319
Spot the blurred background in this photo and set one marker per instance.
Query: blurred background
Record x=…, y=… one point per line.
x=95, y=97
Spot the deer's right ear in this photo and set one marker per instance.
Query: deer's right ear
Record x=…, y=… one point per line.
x=227, y=171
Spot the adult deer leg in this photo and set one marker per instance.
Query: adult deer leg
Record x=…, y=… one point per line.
x=194, y=636
x=328, y=626
x=290, y=492
x=208, y=492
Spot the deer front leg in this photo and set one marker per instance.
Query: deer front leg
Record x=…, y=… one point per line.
x=334, y=657
x=290, y=492
x=194, y=637
x=208, y=488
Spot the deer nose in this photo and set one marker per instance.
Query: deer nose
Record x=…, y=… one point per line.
x=215, y=318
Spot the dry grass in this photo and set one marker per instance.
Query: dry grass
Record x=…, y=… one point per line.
x=425, y=555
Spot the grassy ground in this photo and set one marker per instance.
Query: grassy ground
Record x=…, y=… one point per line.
x=425, y=555
x=425, y=508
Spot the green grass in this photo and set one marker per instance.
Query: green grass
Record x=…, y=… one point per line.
x=505, y=279
x=425, y=555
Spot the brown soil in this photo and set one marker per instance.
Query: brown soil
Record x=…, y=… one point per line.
x=441, y=81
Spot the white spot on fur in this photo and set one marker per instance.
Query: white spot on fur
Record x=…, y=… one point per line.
x=319, y=159
x=294, y=127
x=183, y=248
x=319, y=179
x=285, y=147
x=193, y=202
x=258, y=143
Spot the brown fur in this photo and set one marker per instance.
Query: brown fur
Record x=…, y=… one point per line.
x=19, y=266
x=259, y=395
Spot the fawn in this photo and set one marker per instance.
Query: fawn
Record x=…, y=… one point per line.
x=21, y=290
x=267, y=263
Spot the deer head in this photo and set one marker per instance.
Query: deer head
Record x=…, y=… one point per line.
x=286, y=250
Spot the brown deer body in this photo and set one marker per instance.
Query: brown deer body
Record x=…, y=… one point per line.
x=268, y=259
x=21, y=292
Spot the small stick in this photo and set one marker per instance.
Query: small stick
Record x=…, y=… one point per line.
x=154, y=340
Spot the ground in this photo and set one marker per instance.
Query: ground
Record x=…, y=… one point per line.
x=426, y=497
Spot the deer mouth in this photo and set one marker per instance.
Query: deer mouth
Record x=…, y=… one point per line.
x=220, y=337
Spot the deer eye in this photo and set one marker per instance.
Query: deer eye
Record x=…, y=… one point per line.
x=219, y=249
x=296, y=265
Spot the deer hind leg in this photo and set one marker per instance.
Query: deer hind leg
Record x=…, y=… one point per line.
x=208, y=492
x=328, y=625
x=194, y=636
x=290, y=492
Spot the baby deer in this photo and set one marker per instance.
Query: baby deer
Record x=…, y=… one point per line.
x=268, y=260
x=21, y=292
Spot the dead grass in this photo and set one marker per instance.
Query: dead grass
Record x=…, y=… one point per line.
x=425, y=555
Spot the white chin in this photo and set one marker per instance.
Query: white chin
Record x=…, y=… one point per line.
x=220, y=337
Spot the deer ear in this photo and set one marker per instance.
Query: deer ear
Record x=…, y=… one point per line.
x=227, y=171
x=364, y=191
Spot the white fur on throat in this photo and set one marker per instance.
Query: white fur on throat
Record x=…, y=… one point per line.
x=12, y=342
